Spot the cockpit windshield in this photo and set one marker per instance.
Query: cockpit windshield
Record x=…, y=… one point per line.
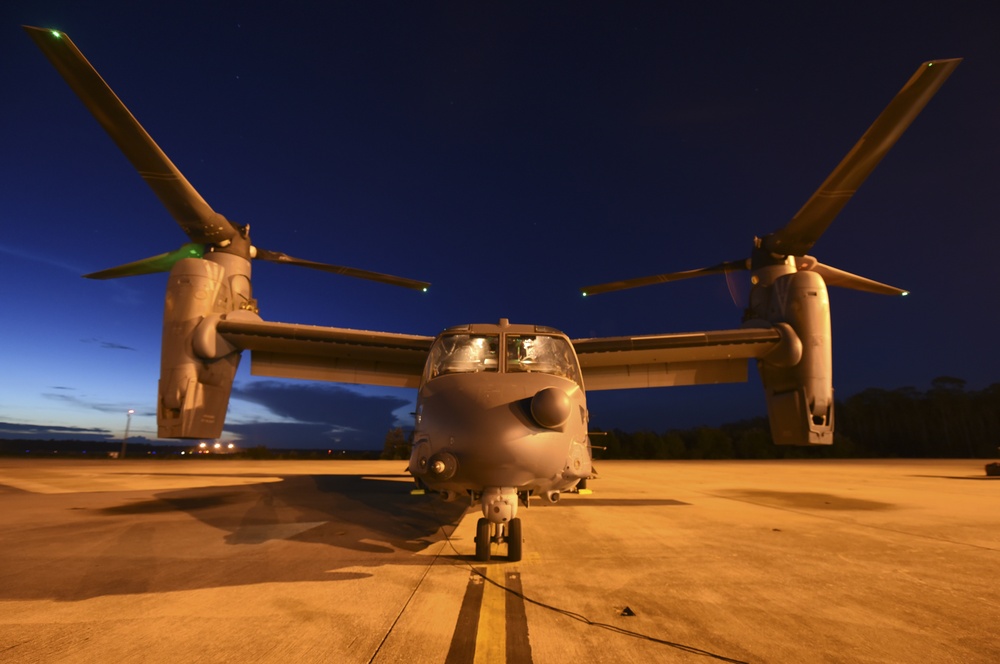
x=524, y=353
x=464, y=353
x=541, y=353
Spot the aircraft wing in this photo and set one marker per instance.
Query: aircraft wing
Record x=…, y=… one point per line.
x=285, y=350
x=663, y=360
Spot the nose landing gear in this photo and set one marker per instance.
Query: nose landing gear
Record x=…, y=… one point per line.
x=498, y=533
x=499, y=524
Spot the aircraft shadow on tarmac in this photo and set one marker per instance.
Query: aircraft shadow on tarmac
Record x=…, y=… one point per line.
x=591, y=501
x=366, y=513
x=325, y=528
x=804, y=500
x=988, y=478
x=302, y=528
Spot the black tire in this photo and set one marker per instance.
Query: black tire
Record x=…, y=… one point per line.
x=581, y=485
x=483, y=540
x=514, y=540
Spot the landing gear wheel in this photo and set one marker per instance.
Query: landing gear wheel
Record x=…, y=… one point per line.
x=514, y=540
x=483, y=540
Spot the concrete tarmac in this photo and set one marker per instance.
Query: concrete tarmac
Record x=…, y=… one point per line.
x=335, y=561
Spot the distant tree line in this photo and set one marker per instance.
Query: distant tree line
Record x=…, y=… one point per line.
x=946, y=421
x=397, y=445
x=56, y=448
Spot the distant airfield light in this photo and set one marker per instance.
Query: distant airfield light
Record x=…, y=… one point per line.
x=128, y=422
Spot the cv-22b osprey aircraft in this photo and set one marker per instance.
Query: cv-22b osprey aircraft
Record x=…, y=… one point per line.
x=501, y=411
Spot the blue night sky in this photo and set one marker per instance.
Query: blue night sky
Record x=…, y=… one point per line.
x=509, y=153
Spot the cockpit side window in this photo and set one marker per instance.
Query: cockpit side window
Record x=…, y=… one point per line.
x=541, y=353
x=463, y=353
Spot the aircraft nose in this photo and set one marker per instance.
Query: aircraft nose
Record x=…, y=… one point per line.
x=550, y=407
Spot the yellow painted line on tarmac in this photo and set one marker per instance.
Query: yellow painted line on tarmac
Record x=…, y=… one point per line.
x=492, y=626
x=491, y=639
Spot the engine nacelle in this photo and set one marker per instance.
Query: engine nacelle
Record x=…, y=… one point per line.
x=196, y=367
x=799, y=395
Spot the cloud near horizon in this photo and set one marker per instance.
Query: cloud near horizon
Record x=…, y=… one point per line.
x=314, y=415
x=280, y=415
x=17, y=430
x=109, y=345
x=84, y=402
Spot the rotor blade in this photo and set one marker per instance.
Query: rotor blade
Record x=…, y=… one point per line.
x=837, y=277
x=201, y=223
x=812, y=220
x=834, y=277
x=151, y=265
x=663, y=278
x=738, y=289
x=279, y=257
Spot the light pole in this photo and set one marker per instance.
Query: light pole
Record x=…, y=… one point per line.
x=128, y=422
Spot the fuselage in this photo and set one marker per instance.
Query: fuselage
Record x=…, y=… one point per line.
x=501, y=406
